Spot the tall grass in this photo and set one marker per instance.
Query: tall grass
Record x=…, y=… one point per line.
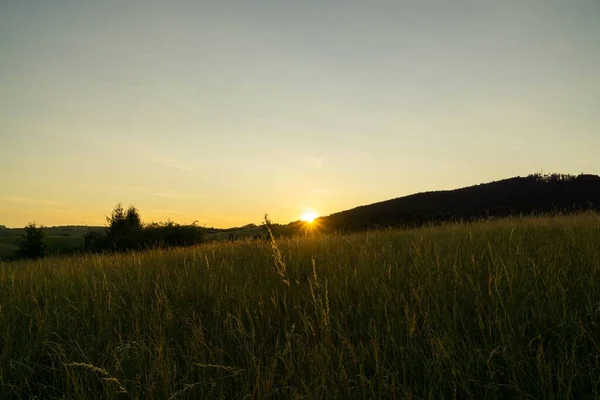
x=501, y=309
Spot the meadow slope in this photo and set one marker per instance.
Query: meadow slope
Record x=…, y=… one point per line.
x=499, y=309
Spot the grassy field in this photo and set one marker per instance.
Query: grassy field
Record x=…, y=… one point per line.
x=499, y=309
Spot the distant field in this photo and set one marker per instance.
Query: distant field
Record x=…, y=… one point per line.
x=57, y=239
x=55, y=243
x=500, y=309
x=237, y=234
x=7, y=246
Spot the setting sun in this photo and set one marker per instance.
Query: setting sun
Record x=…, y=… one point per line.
x=309, y=216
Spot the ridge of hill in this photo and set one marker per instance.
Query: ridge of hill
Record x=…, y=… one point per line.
x=533, y=194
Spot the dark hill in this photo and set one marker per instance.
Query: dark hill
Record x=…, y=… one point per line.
x=515, y=196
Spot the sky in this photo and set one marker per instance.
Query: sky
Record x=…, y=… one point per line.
x=222, y=111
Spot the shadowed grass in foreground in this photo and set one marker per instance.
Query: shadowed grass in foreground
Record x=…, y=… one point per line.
x=507, y=308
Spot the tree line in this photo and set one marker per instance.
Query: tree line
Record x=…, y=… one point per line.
x=124, y=231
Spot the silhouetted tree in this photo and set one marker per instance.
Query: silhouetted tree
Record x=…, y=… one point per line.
x=126, y=231
x=133, y=219
x=121, y=222
x=32, y=243
x=124, y=228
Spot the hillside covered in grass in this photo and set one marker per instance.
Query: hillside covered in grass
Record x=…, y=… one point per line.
x=534, y=194
x=499, y=309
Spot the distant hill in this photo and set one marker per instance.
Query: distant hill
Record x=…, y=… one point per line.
x=66, y=230
x=521, y=195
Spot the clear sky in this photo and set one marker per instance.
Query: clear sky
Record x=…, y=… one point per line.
x=221, y=111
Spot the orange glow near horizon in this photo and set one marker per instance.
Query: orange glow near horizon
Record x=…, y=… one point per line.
x=309, y=216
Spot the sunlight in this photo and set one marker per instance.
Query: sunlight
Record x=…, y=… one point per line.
x=309, y=216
